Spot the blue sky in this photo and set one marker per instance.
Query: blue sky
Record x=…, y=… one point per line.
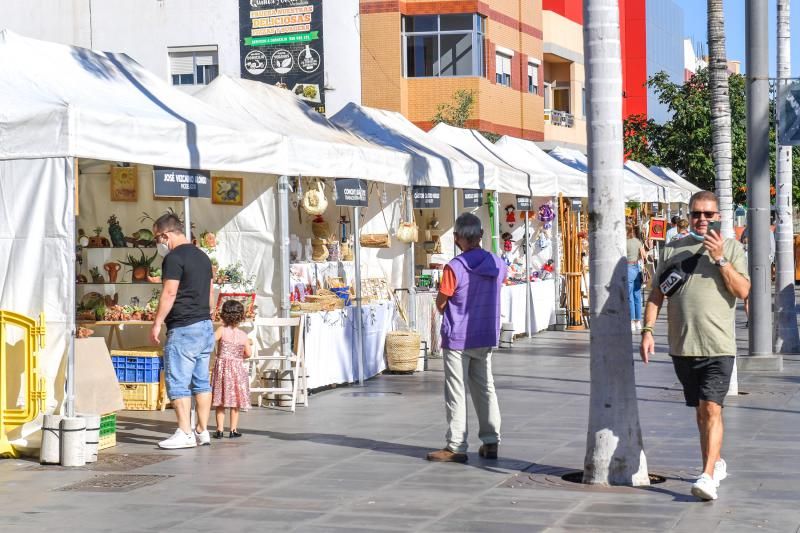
x=694, y=22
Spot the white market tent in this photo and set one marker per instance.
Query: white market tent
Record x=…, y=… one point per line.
x=312, y=137
x=570, y=182
x=496, y=173
x=668, y=173
x=674, y=192
x=635, y=187
x=434, y=162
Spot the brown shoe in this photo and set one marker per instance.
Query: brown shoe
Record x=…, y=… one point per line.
x=488, y=451
x=447, y=456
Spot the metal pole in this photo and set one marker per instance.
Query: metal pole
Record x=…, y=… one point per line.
x=411, y=269
x=496, y=223
x=757, y=56
x=283, y=237
x=69, y=401
x=455, y=216
x=357, y=318
x=187, y=219
x=528, y=302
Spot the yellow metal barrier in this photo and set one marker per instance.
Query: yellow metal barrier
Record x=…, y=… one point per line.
x=35, y=388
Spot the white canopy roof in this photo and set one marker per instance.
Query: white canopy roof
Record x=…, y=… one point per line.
x=569, y=181
x=674, y=192
x=315, y=145
x=668, y=173
x=495, y=173
x=635, y=187
x=65, y=101
x=434, y=162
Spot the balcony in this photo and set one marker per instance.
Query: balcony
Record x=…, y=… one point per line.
x=559, y=118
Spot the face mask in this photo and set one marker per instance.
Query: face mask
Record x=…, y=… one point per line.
x=162, y=249
x=697, y=237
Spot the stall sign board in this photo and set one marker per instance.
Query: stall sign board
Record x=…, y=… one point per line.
x=351, y=192
x=280, y=43
x=524, y=203
x=181, y=182
x=473, y=198
x=427, y=197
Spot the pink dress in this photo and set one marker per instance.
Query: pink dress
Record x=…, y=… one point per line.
x=231, y=387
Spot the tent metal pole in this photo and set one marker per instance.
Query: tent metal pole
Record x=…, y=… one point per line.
x=528, y=296
x=411, y=268
x=496, y=223
x=357, y=318
x=69, y=403
x=187, y=219
x=455, y=216
x=283, y=221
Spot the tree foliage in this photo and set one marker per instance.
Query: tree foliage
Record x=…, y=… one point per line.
x=683, y=143
x=457, y=112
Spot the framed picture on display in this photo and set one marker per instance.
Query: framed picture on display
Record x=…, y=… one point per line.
x=658, y=229
x=124, y=184
x=227, y=191
x=247, y=299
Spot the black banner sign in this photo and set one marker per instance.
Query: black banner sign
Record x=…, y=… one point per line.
x=524, y=203
x=351, y=192
x=181, y=182
x=427, y=197
x=281, y=44
x=473, y=197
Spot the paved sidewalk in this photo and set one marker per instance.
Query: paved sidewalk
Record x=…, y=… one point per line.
x=354, y=461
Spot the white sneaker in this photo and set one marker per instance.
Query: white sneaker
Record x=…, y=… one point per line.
x=720, y=470
x=633, y=326
x=203, y=439
x=638, y=325
x=705, y=488
x=179, y=440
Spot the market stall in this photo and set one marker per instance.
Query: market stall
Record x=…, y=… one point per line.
x=675, y=193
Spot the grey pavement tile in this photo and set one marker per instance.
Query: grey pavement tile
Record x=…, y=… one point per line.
x=371, y=520
x=620, y=522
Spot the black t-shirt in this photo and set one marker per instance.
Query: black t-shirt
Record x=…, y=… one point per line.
x=192, y=268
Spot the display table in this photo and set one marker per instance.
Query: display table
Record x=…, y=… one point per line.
x=330, y=343
x=429, y=321
x=512, y=305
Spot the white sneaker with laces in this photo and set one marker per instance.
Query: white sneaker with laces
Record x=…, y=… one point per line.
x=203, y=438
x=179, y=440
x=720, y=470
x=705, y=488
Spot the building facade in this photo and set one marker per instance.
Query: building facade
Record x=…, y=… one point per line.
x=416, y=54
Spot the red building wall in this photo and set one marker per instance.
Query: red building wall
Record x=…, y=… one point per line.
x=571, y=9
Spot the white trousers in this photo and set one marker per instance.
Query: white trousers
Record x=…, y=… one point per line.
x=470, y=370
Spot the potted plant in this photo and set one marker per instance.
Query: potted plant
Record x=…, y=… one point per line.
x=97, y=277
x=154, y=275
x=140, y=266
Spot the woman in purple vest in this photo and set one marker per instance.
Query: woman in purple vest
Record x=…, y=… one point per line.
x=469, y=299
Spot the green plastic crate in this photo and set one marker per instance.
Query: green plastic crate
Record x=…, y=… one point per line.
x=108, y=424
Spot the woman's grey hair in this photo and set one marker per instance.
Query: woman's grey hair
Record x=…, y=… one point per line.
x=468, y=227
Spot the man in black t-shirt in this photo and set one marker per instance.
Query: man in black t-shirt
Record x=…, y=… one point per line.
x=185, y=308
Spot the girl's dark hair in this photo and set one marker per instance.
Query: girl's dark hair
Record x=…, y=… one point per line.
x=232, y=313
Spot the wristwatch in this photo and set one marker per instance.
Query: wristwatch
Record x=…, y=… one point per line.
x=721, y=262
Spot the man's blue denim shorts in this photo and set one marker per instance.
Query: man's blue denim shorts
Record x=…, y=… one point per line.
x=186, y=358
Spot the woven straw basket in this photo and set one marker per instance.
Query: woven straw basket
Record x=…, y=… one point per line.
x=402, y=350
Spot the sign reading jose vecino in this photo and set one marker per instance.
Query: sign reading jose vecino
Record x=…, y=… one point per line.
x=281, y=43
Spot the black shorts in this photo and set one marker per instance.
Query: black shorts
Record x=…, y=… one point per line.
x=704, y=378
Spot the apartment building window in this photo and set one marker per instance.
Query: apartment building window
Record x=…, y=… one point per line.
x=533, y=78
x=503, y=69
x=443, y=45
x=193, y=65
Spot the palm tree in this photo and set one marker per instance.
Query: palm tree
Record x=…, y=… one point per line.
x=720, y=114
x=614, y=450
x=786, y=337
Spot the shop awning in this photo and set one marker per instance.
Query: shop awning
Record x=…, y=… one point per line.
x=434, y=162
x=66, y=101
x=315, y=146
x=666, y=172
x=674, y=192
x=569, y=181
x=495, y=172
x=635, y=187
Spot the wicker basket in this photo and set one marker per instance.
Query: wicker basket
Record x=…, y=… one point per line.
x=402, y=350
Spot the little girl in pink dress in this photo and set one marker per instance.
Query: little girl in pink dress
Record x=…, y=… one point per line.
x=231, y=383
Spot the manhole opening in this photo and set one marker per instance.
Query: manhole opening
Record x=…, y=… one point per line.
x=371, y=394
x=743, y=393
x=577, y=477
x=115, y=483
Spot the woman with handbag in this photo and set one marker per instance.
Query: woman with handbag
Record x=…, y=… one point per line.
x=634, y=249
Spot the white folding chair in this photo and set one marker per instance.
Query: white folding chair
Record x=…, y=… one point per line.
x=292, y=363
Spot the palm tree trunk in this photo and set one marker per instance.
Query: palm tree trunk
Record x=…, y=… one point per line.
x=614, y=449
x=720, y=114
x=786, y=337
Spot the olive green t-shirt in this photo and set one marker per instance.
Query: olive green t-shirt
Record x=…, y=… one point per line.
x=632, y=247
x=701, y=314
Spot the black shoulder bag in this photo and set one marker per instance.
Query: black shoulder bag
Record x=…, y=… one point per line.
x=673, y=278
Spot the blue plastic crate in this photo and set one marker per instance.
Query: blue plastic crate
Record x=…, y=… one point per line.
x=132, y=369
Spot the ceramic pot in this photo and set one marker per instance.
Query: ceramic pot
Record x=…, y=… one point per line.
x=140, y=273
x=112, y=268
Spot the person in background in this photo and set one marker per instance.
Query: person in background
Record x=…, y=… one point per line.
x=673, y=229
x=635, y=252
x=683, y=230
x=231, y=386
x=469, y=300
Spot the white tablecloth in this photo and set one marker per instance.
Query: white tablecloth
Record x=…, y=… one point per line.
x=512, y=305
x=330, y=343
x=429, y=321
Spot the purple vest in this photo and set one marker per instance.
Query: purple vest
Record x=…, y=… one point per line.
x=472, y=316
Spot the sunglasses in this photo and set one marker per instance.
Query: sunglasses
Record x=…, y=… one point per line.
x=706, y=214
